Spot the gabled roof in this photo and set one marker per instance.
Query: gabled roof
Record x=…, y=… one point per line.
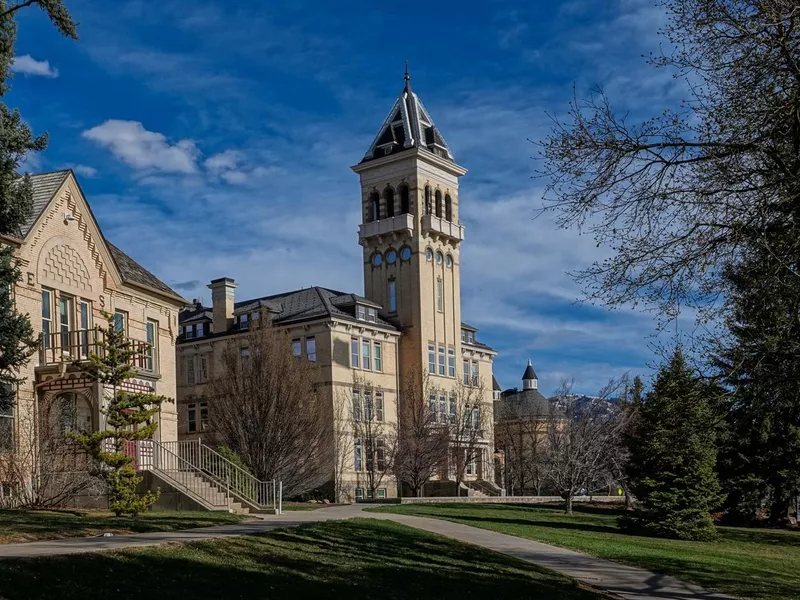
x=45, y=186
x=495, y=385
x=408, y=125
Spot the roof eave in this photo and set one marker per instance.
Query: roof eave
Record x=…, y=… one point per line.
x=422, y=153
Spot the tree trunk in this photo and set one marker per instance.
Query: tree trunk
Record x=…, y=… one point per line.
x=568, y=503
x=779, y=509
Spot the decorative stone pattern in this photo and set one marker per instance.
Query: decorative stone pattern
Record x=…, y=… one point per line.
x=64, y=265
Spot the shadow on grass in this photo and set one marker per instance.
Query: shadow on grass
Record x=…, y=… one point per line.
x=356, y=558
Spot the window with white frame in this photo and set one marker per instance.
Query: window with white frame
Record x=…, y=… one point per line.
x=372, y=315
x=366, y=360
x=451, y=362
x=47, y=317
x=439, y=295
x=120, y=321
x=452, y=410
x=297, y=348
x=189, y=368
x=188, y=332
x=200, y=329
x=475, y=373
x=151, y=356
x=244, y=322
x=476, y=418
x=354, y=352
x=432, y=405
x=442, y=408
x=203, y=372
x=191, y=418
x=6, y=425
x=356, y=405
x=392, y=296
x=358, y=455
x=377, y=356
x=381, y=492
x=368, y=406
x=379, y=406
x=84, y=325
x=431, y=358
x=203, y=416
x=442, y=366
x=466, y=372
x=311, y=349
x=361, y=312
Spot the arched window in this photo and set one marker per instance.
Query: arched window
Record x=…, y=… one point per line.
x=448, y=207
x=428, y=200
x=438, y=204
x=374, y=206
x=388, y=195
x=404, y=204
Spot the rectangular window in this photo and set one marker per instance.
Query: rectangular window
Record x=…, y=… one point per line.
x=354, y=352
x=200, y=331
x=358, y=455
x=356, y=405
x=120, y=321
x=392, y=296
x=470, y=337
x=311, y=349
x=65, y=321
x=244, y=353
x=432, y=405
x=439, y=295
x=6, y=427
x=190, y=380
x=372, y=315
x=380, y=455
x=452, y=410
x=151, y=356
x=378, y=356
x=203, y=369
x=474, y=372
x=203, y=416
x=84, y=314
x=451, y=362
x=466, y=372
x=297, y=348
x=379, y=406
x=476, y=418
x=431, y=359
x=359, y=493
x=361, y=312
x=192, y=417
x=47, y=317
x=442, y=366
x=368, y=406
x=442, y=408
x=243, y=322
x=463, y=335
x=381, y=492
x=188, y=332
x=365, y=354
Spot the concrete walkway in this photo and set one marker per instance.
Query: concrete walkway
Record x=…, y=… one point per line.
x=630, y=583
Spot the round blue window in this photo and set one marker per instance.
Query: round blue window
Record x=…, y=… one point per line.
x=439, y=258
x=429, y=255
x=377, y=259
x=405, y=253
x=448, y=260
x=391, y=257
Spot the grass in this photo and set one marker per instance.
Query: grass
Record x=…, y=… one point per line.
x=357, y=558
x=29, y=525
x=760, y=564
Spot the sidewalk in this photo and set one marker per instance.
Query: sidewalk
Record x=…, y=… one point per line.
x=630, y=583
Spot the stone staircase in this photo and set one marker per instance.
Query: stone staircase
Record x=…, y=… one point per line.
x=480, y=488
x=201, y=490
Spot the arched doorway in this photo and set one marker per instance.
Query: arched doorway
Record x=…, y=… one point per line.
x=70, y=411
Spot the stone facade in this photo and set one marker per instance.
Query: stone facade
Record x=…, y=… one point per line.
x=70, y=276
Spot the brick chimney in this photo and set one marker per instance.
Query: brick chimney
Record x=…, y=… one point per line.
x=222, y=303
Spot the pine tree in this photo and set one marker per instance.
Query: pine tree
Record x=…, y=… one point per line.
x=17, y=342
x=129, y=418
x=673, y=457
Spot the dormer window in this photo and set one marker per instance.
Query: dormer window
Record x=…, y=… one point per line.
x=366, y=313
x=243, y=322
x=467, y=336
x=372, y=315
x=188, y=331
x=200, y=327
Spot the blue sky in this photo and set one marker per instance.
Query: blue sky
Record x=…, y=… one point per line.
x=184, y=119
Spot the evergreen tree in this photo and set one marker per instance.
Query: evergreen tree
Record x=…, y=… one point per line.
x=129, y=418
x=17, y=341
x=673, y=457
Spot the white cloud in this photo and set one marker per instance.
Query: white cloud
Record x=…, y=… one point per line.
x=83, y=170
x=224, y=161
x=27, y=65
x=131, y=143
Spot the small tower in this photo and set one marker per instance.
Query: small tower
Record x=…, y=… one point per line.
x=529, y=379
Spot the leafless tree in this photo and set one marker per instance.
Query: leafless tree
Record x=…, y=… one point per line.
x=422, y=441
x=469, y=418
x=266, y=406
x=521, y=433
x=583, y=440
x=374, y=435
x=343, y=437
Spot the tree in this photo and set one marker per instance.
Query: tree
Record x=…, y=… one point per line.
x=521, y=431
x=422, y=442
x=673, y=457
x=681, y=196
x=469, y=419
x=583, y=437
x=374, y=436
x=760, y=361
x=129, y=418
x=267, y=407
x=17, y=342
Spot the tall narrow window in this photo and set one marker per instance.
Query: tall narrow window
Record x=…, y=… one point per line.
x=191, y=411
x=466, y=372
x=311, y=349
x=120, y=321
x=84, y=312
x=452, y=410
x=356, y=405
x=474, y=372
x=442, y=408
x=151, y=356
x=203, y=416
x=64, y=321
x=47, y=317
x=392, y=296
x=388, y=197
x=6, y=428
x=441, y=360
x=297, y=348
x=438, y=197
x=476, y=418
x=439, y=295
x=358, y=455
x=379, y=406
x=190, y=379
x=432, y=405
x=203, y=368
x=451, y=362
x=200, y=329
x=243, y=322
x=428, y=209
x=365, y=354
x=354, y=352
x=380, y=454
x=404, y=203
x=448, y=207
x=431, y=359
x=368, y=406
x=374, y=207
x=378, y=356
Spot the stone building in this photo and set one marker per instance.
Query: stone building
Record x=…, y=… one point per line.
x=70, y=275
x=408, y=320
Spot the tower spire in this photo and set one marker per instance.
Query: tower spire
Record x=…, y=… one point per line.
x=407, y=79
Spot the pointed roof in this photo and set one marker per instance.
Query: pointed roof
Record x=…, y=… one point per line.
x=529, y=372
x=495, y=385
x=408, y=125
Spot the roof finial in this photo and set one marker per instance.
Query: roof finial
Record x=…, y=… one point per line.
x=407, y=78
x=529, y=363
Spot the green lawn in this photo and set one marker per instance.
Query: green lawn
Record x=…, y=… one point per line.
x=760, y=564
x=30, y=525
x=358, y=558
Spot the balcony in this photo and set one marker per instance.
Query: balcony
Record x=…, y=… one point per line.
x=78, y=345
x=398, y=226
x=438, y=227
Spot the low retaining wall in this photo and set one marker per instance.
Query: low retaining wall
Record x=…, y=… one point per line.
x=512, y=500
